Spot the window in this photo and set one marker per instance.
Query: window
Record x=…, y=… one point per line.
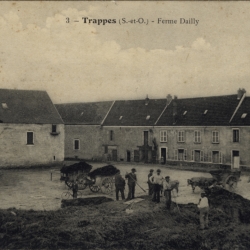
x=30, y=139
x=106, y=149
x=236, y=135
x=182, y=154
x=216, y=157
x=111, y=135
x=53, y=128
x=181, y=136
x=197, y=136
x=215, y=136
x=76, y=144
x=163, y=136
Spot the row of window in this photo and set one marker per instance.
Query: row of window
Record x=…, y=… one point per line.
x=197, y=136
x=198, y=156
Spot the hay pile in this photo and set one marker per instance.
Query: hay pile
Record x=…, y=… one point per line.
x=108, y=170
x=81, y=166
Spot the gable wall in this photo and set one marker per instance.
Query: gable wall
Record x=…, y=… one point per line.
x=14, y=150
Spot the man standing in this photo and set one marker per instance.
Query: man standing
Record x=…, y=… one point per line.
x=119, y=186
x=75, y=189
x=157, y=180
x=204, y=209
x=150, y=184
x=131, y=184
x=167, y=188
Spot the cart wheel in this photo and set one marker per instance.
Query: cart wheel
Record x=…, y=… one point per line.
x=81, y=180
x=66, y=195
x=69, y=183
x=107, y=185
x=94, y=188
x=232, y=182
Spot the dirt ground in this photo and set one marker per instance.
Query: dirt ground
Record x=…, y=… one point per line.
x=102, y=223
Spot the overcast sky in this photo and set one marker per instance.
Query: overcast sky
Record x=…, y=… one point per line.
x=77, y=62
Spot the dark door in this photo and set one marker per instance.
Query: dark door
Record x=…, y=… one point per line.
x=128, y=156
x=163, y=155
x=146, y=138
x=114, y=154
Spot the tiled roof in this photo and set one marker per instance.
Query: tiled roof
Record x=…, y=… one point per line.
x=192, y=111
x=244, y=108
x=135, y=112
x=27, y=107
x=91, y=113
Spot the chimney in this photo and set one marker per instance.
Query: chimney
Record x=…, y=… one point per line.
x=147, y=101
x=174, y=111
x=240, y=93
x=169, y=99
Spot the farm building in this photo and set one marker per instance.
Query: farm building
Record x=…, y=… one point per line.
x=31, y=130
x=83, y=130
x=204, y=130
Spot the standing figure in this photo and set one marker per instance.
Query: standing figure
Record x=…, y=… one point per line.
x=119, y=186
x=157, y=180
x=167, y=188
x=131, y=184
x=75, y=189
x=204, y=209
x=150, y=184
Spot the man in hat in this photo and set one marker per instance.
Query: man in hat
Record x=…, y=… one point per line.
x=204, y=209
x=157, y=180
x=119, y=185
x=150, y=184
x=131, y=183
x=167, y=188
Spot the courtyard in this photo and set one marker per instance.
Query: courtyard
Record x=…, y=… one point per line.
x=41, y=189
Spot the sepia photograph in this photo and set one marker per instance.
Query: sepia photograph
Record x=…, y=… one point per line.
x=125, y=125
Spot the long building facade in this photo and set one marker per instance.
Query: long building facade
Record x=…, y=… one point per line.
x=206, y=130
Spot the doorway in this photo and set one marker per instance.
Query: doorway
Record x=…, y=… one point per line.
x=128, y=156
x=163, y=155
x=235, y=159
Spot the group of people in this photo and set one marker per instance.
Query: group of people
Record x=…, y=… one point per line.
x=157, y=184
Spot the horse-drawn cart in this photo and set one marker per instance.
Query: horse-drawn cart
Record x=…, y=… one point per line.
x=227, y=177
x=100, y=179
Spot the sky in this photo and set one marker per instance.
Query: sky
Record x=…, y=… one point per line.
x=82, y=62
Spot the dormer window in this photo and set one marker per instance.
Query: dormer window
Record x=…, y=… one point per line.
x=243, y=115
x=185, y=112
x=148, y=117
x=4, y=105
